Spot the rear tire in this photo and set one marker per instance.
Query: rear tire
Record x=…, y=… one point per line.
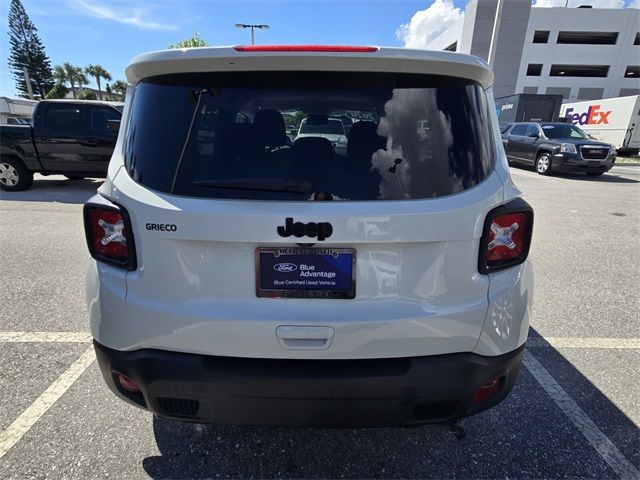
x=75, y=177
x=14, y=176
x=595, y=174
x=543, y=164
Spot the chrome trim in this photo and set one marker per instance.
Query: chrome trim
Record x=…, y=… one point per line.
x=608, y=150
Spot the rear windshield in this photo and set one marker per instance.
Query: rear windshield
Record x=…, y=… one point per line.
x=282, y=135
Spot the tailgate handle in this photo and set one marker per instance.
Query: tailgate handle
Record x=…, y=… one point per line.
x=293, y=337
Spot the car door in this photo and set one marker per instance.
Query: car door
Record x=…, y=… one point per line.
x=514, y=147
x=59, y=130
x=530, y=142
x=104, y=122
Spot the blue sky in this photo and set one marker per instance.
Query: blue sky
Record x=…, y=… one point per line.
x=111, y=32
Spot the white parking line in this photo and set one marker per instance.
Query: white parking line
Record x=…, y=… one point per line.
x=579, y=342
x=598, y=440
x=30, y=416
x=45, y=337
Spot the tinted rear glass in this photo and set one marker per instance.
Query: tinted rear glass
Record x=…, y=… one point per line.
x=272, y=135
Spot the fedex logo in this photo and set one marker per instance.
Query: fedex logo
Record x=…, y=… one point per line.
x=593, y=116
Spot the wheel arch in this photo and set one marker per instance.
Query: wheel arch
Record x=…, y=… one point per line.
x=544, y=149
x=15, y=156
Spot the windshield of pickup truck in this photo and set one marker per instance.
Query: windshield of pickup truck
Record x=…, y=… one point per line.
x=562, y=130
x=330, y=126
x=224, y=135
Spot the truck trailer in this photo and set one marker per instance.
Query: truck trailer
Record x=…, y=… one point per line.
x=612, y=120
x=16, y=111
x=528, y=107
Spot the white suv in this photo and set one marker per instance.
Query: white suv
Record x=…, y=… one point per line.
x=242, y=277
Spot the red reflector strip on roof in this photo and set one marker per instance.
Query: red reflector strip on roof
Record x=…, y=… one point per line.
x=305, y=48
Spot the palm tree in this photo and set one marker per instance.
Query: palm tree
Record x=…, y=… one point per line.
x=119, y=87
x=59, y=74
x=98, y=72
x=70, y=73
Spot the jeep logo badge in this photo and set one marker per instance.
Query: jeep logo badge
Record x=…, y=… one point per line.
x=312, y=229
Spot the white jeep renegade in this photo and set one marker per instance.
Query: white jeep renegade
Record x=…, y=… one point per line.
x=244, y=275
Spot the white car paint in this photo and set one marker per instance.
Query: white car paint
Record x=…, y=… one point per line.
x=419, y=291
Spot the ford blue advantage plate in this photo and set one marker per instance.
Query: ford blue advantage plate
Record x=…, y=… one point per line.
x=306, y=272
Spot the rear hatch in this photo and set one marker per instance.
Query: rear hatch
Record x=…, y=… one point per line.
x=252, y=245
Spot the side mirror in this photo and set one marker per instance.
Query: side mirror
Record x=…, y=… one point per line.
x=113, y=126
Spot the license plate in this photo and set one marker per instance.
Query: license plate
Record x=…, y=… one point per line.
x=306, y=272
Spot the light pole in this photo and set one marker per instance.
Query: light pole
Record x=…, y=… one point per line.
x=494, y=34
x=252, y=27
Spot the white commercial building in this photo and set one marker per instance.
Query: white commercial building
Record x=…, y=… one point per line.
x=580, y=53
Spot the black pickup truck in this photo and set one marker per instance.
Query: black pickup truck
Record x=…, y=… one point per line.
x=556, y=147
x=69, y=137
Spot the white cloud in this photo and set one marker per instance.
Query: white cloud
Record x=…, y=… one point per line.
x=576, y=3
x=427, y=24
x=634, y=4
x=136, y=17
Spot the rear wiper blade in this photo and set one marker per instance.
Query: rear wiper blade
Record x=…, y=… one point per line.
x=258, y=184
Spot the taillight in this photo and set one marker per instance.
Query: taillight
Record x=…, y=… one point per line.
x=108, y=231
x=506, y=236
x=306, y=48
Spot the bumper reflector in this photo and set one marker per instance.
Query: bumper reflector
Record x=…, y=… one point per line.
x=488, y=390
x=128, y=384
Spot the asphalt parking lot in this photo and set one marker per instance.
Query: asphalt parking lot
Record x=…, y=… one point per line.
x=574, y=412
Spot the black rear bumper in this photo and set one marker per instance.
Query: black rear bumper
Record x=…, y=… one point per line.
x=325, y=393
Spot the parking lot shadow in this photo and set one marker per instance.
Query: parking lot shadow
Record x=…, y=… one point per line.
x=56, y=188
x=526, y=436
x=609, y=177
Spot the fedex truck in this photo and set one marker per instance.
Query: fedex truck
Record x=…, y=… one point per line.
x=612, y=120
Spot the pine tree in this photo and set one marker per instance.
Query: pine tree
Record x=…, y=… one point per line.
x=26, y=50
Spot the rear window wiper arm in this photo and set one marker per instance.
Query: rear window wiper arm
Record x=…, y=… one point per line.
x=262, y=185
